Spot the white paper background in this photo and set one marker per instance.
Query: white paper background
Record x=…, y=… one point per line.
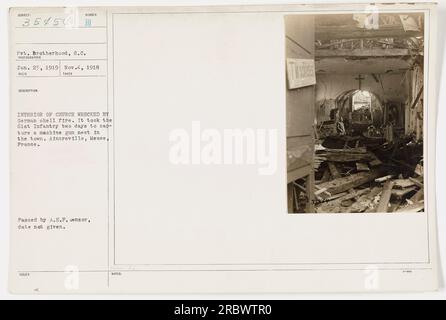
x=227, y=75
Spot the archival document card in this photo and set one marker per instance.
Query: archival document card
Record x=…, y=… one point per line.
x=223, y=149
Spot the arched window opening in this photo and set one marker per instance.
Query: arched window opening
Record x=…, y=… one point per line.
x=362, y=107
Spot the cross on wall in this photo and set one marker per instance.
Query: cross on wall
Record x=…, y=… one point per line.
x=359, y=78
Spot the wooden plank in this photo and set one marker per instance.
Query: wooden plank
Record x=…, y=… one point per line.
x=296, y=199
x=348, y=157
x=326, y=175
x=364, y=202
x=417, y=182
x=374, y=52
x=417, y=196
x=419, y=170
x=293, y=30
x=383, y=205
x=346, y=183
x=335, y=205
x=299, y=173
x=403, y=164
x=318, y=192
x=299, y=186
x=290, y=198
x=401, y=193
x=353, y=32
x=362, y=166
x=347, y=150
x=376, y=162
x=308, y=189
x=356, y=193
x=416, y=207
x=333, y=170
x=403, y=183
x=309, y=186
x=336, y=196
x=352, y=196
x=383, y=179
x=417, y=98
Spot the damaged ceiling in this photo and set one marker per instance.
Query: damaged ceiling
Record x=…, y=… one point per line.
x=368, y=65
x=364, y=43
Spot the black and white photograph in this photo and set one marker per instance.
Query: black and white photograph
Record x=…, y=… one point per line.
x=355, y=110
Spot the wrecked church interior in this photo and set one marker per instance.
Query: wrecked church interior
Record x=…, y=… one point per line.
x=354, y=108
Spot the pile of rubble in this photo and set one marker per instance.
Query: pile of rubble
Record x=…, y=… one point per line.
x=354, y=179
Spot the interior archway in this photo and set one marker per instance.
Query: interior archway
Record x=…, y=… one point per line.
x=359, y=110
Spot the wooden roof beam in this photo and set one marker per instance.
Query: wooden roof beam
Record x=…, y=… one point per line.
x=353, y=32
x=374, y=53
